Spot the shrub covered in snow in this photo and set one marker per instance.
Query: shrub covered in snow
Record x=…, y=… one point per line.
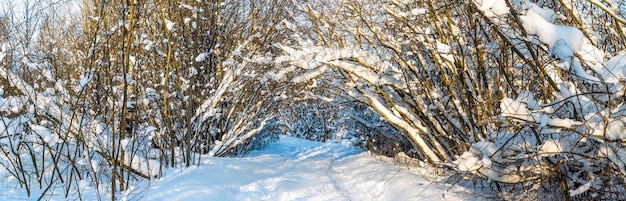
x=515, y=92
x=512, y=93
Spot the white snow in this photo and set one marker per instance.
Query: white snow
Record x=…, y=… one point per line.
x=315, y=61
x=612, y=130
x=296, y=169
x=169, y=24
x=201, y=57
x=564, y=41
x=615, y=69
x=553, y=146
x=445, y=51
x=10, y=104
x=494, y=8
x=581, y=189
x=536, y=24
x=292, y=169
x=519, y=109
x=547, y=13
x=84, y=80
x=418, y=11
x=478, y=160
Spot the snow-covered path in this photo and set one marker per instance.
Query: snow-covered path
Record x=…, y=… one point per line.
x=296, y=169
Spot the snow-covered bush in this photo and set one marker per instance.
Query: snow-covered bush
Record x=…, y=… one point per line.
x=512, y=91
x=116, y=92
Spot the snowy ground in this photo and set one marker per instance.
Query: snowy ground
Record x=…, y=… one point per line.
x=292, y=169
x=296, y=169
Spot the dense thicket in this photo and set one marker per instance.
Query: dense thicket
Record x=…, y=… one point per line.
x=112, y=92
x=522, y=94
x=518, y=92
